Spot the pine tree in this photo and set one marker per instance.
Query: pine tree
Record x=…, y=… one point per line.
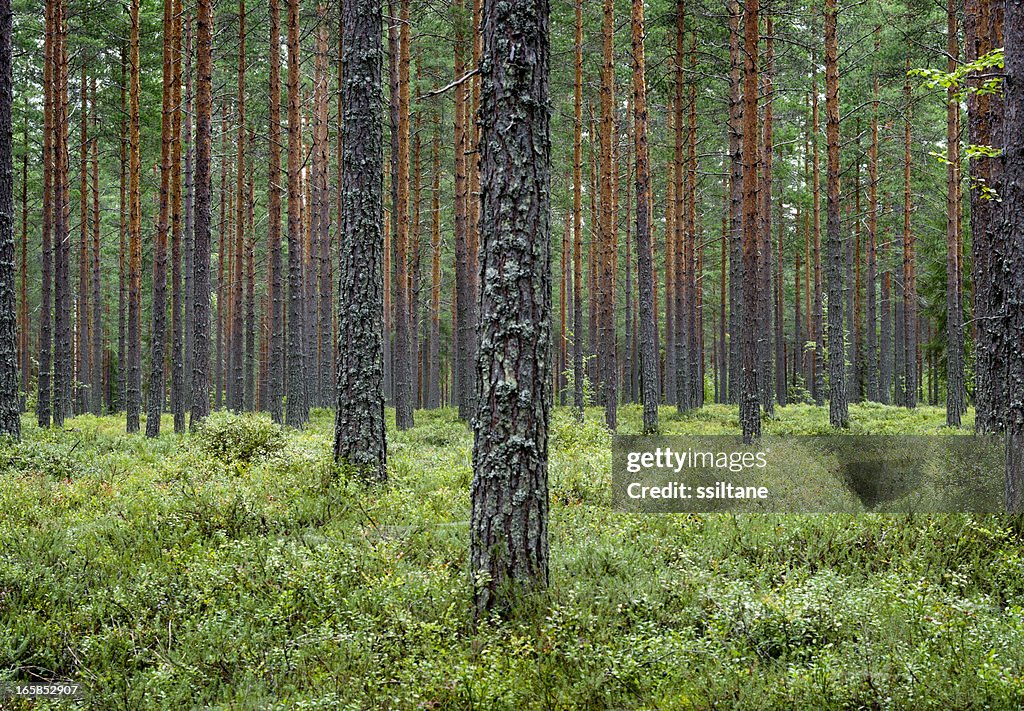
x=10, y=407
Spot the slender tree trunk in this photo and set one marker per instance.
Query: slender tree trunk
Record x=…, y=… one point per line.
x=765, y=337
x=44, y=395
x=465, y=297
x=275, y=372
x=873, y=365
x=134, y=374
x=839, y=414
x=434, y=341
x=298, y=404
x=188, y=233
x=508, y=526
x=577, y=221
x=909, y=277
x=736, y=192
x=157, y=345
x=82, y=351
x=819, y=305
x=25, y=329
x=607, y=239
x=956, y=397
x=236, y=391
x=177, y=326
x=63, y=360
x=750, y=402
x=322, y=329
x=404, y=390
x=359, y=427
x=644, y=248
x=201, y=239
x=10, y=407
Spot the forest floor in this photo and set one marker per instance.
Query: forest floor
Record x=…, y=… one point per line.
x=231, y=569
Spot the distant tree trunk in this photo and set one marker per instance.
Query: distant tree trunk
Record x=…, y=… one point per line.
x=671, y=262
x=10, y=406
x=359, y=427
x=82, y=352
x=25, y=329
x=508, y=526
x=298, y=404
x=236, y=390
x=465, y=297
x=736, y=289
x=983, y=32
x=1013, y=219
x=873, y=366
x=819, y=305
x=577, y=221
x=564, y=290
x=134, y=381
x=434, y=340
x=750, y=401
x=322, y=330
x=839, y=412
x=644, y=249
x=909, y=276
x=43, y=381
x=275, y=371
x=156, y=354
x=956, y=397
x=63, y=360
x=767, y=381
x=96, y=358
x=201, y=239
x=177, y=327
x=404, y=389
x=250, y=394
x=188, y=235
x=606, y=340
x=683, y=235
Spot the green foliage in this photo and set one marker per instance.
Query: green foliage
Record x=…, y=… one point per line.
x=159, y=577
x=234, y=438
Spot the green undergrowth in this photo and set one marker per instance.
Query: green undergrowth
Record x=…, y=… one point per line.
x=233, y=568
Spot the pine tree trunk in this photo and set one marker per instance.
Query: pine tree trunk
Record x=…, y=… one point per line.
x=909, y=277
x=607, y=238
x=322, y=329
x=839, y=414
x=298, y=405
x=82, y=351
x=236, y=391
x=63, y=352
x=750, y=401
x=96, y=376
x=156, y=342
x=983, y=32
x=188, y=233
x=134, y=374
x=10, y=407
x=645, y=269
x=1013, y=219
x=819, y=305
x=873, y=365
x=404, y=390
x=275, y=370
x=201, y=238
x=765, y=338
x=44, y=395
x=177, y=297
x=577, y=221
x=434, y=340
x=956, y=397
x=359, y=427
x=736, y=289
x=508, y=526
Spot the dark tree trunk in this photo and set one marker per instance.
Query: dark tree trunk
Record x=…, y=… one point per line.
x=134, y=374
x=508, y=526
x=236, y=391
x=10, y=407
x=96, y=376
x=275, y=374
x=1013, y=224
x=82, y=371
x=359, y=427
x=44, y=395
x=750, y=400
x=323, y=330
x=736, y=290
x=607, y=239
x=648, y=335
x=764, y=304
x=983, y=32
x=434, y=340
x=188, y=234
x=465, y=293
x=155, y=404
x=403, y=372
x=201, y=239
x=298, y=404
x=909, y=271
x=63, y=363
x=577, y=223
x=839, y=414
x=177, y=327
x=873, y=366
x=819, y=306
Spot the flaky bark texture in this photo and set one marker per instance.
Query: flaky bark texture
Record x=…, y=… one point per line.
x=508, y=526
x=359, y=427
x=10, y=408
x=1013, y=228
x=645, y=270
x=838, y=408
x=201, y=239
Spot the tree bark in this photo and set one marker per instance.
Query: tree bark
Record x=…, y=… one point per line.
x=275, y=374
x=607, y=239
x=508, y=525
x=404, y=390
x=750, y=401
x=839, y=411
x=579, y=374
x=648, y=335
x=44, y=394
x=177, y=300
x=297, y=362
x=10, y=406
x=956, y=397
x=359, y=426
x=201, y=238
x=134, y=374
